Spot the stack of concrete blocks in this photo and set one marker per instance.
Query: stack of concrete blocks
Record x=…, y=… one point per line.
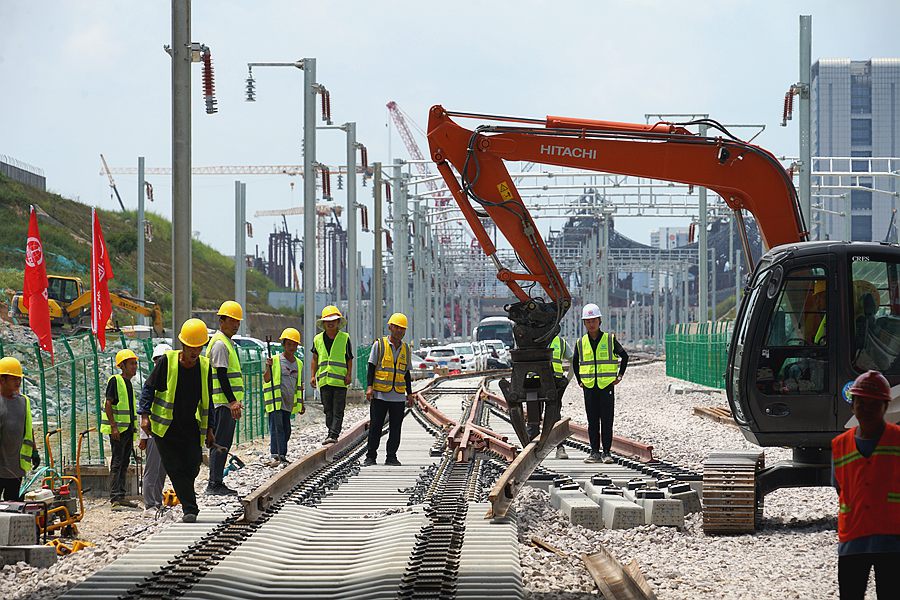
x=567, y=498
x=617, y=511
x=18, y=542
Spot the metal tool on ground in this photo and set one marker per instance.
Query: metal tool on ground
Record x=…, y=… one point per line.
x=170, y=498
x=63, y=549
x=234, y=464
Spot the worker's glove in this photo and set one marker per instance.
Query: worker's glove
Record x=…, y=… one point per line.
x=35, y=459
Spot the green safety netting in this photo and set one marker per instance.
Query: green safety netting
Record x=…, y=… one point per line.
x=698, y=352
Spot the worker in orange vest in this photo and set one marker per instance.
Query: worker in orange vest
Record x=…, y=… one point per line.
x=866, y=462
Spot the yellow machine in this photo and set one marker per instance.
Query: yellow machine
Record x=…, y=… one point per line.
x=70, y=304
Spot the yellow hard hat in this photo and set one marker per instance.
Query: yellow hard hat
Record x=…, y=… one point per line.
x=398, y=319
x=330, y=313
x=194, y=333
x=123, y=355
x=290, y=334
x=10, y=366
x=232, y=309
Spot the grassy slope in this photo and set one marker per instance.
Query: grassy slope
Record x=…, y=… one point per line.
x=67, y=233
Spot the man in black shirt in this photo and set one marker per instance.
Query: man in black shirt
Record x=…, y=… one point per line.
x=598, y=370
x=178, y=414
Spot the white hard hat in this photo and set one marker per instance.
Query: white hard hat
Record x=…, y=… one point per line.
x=160, y=350
x=590, y=311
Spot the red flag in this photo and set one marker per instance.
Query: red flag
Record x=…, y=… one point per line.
x=34, y=289
x=101, y=273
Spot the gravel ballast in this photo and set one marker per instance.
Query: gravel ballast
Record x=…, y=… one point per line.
x=794, y=555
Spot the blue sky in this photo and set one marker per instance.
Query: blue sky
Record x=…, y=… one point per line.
x=83, y=78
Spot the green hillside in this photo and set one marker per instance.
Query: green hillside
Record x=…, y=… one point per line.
x=66, y=234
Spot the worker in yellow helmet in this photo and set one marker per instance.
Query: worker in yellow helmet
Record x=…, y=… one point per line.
x=119, y=421
x=283, y=394
x=18, y=454
x=389, y=389
x=332, y=369
x=228, y=393
x=177, y=414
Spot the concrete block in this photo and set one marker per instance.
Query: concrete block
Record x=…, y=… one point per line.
x=581, y=510
x=620, y=513
x=96, y=480
x=690, y=500
x=40, y=557
x=660, y=511
x=17, y=529
x=556, y=496
x=10, y=555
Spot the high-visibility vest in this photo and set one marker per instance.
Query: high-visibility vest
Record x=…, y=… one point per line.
x=162, y=410
x=27, y=448
x=235, y=378
x=601, y=369
x=869, y=487
x=558, y=345
x=124, y=412
x=332, y=366
x=391, y=373
x=272, y=389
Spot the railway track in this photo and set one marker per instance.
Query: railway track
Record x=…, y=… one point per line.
x=325, y=527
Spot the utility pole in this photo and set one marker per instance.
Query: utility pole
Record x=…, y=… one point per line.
x=240, y=252
x=181, y=163
x=398, y=273
x=140, y=231
x=702, y=256
x=377, y=269
x=309, y=212
x=805, y=131
x=353, y=302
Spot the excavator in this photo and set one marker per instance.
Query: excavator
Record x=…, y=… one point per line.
x=814, y=315
x=70, y=305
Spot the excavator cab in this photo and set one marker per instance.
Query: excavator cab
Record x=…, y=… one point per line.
x=64, y=290
x=814, y=316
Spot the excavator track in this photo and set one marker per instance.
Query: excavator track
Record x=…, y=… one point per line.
x=730, y=503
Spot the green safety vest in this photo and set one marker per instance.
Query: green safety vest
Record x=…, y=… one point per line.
x=559, y=346
x=235, y=378
x=162, y=409
x=28, y=440
x=332, y=367
x=390, y=374
x=123, y=414
x=272, y=389
x=602, y=369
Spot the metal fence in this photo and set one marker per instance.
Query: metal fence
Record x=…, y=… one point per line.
x=698, y=352
x=68, y=393
x=22, y=172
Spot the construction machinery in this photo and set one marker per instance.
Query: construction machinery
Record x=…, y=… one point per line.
x=70, y=305
x=814, y=315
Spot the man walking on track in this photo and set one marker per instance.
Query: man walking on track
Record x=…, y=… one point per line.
x=154, y=473
x=332, y=369
x=597, y=368
x=389, y=389
x=177, y=415
x=228, y=394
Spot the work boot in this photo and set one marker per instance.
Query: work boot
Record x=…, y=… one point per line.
x=219, y=489
x=594, y=457
x=561, y=453
x=120, y=505
x=392, y=461
x=607, y=458
x=368, y=462
x=189, y=518
x=273, y=462
x=284, y=459
x=329, y=440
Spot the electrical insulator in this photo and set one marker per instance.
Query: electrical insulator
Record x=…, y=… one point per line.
x=364, y=218
x=209, y=84
x=340, y=181
x=149, y=188
x=251, y=87
x=364, y=159
x=388, y=241
x=387, y=191
x=148, y=231
x=249, y=229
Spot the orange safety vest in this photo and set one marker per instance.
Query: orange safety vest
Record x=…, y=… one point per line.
x=869, y=487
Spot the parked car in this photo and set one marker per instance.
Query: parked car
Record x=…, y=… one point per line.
x=443, y=356
x=468, y=356
x=483, y=353
x=417, y=360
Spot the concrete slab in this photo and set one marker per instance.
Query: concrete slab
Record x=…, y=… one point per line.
x=17, y=529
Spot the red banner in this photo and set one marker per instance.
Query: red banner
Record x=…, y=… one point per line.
x=34, y=289
x=101, y=273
